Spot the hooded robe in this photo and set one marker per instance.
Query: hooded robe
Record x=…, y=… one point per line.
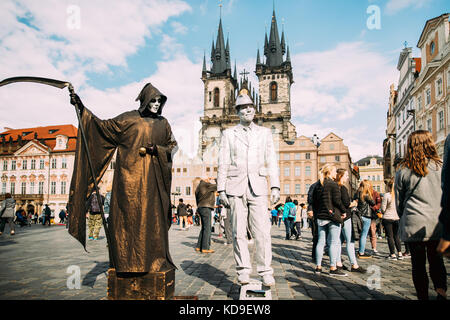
x=140, y=208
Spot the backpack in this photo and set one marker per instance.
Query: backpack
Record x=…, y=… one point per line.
x=94, y=203
x=292, y=212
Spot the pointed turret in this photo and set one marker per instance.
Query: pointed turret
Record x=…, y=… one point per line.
x=227, y=53
x=204, y=63
x=283, y=43
x=288, y=55
x=219, y=53
x=258, y=59
x=266, y=45
x=235, y=73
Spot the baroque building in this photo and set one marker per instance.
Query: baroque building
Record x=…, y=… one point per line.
x=36, y=165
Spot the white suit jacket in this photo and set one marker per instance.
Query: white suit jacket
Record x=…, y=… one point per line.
x=237, y=167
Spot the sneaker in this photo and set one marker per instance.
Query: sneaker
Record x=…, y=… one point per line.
x=343, y=267
x=394, y=257
x=406, y=255
x=244, y=279
x=318, y=271
x=268, y=280
x=13, y=233
x=364, y=256
x=400, y=256
x=375, y=252
x=337, y=272
x=208, y=251
x=359, y=269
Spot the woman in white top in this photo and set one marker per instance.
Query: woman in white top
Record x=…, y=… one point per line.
x=391, y=220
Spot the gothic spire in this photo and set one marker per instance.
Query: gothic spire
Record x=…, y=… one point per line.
x=258, y=59
x=219, y=53
x=275, y=52
x=204, y=63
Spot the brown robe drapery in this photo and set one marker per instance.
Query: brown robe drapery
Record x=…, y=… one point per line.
x=140, y=208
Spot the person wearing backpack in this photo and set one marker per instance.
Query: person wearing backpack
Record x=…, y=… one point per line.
x=289, y=214
x=95, y=221
x=47, y=215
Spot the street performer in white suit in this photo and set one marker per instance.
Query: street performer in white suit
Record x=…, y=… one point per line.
x=246, y=159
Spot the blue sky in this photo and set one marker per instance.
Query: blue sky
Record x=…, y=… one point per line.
x=342, y=69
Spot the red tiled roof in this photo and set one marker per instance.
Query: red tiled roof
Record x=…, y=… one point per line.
x=45, y=135
x=49, y=132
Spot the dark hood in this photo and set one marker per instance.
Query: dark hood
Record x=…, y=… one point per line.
x=147, y=94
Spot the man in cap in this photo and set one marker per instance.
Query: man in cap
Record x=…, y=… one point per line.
x=246, y=159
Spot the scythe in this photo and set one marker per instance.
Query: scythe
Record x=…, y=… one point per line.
x=61, y=85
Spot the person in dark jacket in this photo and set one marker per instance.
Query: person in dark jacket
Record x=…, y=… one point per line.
x=205, y=196
x=313, y=209
x=182, y=214
x=444, y=217
x=347, y=233
x=7, y=214
x=329, y=217
x=365, y=200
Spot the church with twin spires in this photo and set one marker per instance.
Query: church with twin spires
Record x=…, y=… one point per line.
x=222, y=86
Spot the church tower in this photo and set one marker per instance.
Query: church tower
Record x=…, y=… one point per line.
x=275, y=80
x=220, y=87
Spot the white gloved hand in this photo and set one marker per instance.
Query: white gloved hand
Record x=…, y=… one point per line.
x=275, y=195
x=224, y=199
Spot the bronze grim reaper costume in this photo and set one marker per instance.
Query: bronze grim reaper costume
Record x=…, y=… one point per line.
x=140, y=208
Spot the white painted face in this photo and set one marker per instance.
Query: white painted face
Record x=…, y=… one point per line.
x=155, y=104
x=246, y=114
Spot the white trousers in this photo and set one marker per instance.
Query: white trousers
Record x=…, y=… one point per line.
x=252, y=210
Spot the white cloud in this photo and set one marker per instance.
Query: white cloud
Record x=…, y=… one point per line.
x=394, y=6
x=179, y=28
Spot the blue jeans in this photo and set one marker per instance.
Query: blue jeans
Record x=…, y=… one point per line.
x=334, y=232
x=364, y=233
x=288, y=223
x=346, y=235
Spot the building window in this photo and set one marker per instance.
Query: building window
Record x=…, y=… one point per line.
x=297, y=171
x=64, y=163
x=33, y=164
x=378, y=177
x=188, y=191
x=208, y=169
x=286, y=172
x=54, y=163
x=439, y=87
x=41, y=187
x=322, y=159
x=429, y=126
x=419, y=103
x=308, y=156
x=53, y=187
x=24, y=165
x=287, y=189
x=337, y=158
x=13, y=165
x=432, y=47
x=297, y=189
x=13, y=188
x=63, y=187
x=23, y=188
x=286, y=156
x=31, y=187
x=428, y=94
x=41, y=164
x=216, y=97
x=441, y=120
x=3, y=187
x=378, y=188
x=273, y=91
x=178, y=170
x=178, y=189
x=184, y=170
x=210, y=95
x=5, y=165
x=308, y=171
x=297, y=156
x=332, y=146
x=307, y=186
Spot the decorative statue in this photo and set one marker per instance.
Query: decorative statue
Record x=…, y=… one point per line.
x=140, y=208
x=246, y=158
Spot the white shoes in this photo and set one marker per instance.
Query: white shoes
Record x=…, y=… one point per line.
x=268, y=280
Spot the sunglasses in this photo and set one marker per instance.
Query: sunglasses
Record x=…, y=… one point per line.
x=156, y=100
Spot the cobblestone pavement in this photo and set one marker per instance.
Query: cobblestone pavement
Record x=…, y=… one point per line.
x=35, y=265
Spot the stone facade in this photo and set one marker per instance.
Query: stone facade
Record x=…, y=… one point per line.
x=36, y=166
x=371, y=168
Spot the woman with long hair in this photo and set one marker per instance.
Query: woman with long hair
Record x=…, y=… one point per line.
x=390, y=221
x=329, y=218
x=347, y=230
x=417, y=196
x=7, y=213
x=365, y=200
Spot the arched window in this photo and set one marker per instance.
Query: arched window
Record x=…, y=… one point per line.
x=216, y=97
x=273, y=91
